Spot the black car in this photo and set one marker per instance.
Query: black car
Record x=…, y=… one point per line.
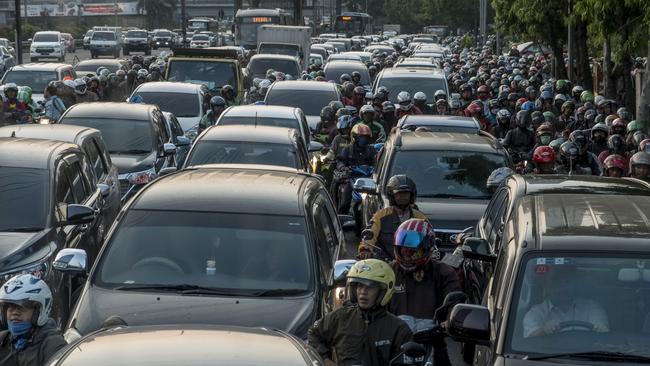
x=48, y=201
x=136, y=40
x=162, y=38
x=197, y=247
x=187, y=345
x=570, y=285
x=136, y=137
x=450, y=170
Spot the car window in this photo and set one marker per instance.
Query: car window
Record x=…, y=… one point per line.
x=310, y=101
x=499, y=221
x=95, y=159
x=63, y=194
x=37, y=80
x=491, y=211
x=24, y=198
x=180, y=104
x=412, y=85
x=120, y=136
x=237, y=152
x=325, y=234
x=80, y=188
x=46, y=37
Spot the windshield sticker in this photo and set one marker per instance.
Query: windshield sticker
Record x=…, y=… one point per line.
x=554, y=261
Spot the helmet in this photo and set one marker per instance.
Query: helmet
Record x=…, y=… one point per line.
x=327, y=114
x=264, y=86
x=615, y=161
x=497, y=177
x=360, y=129
x=483, y=89
x=560, y=86
x=555, y=145
x=618, y=126
x=528, y=106
x=372, y=272
x=537, y=119
x=384, y=90
x=142, y=73
x=104, y=72
x=24, y=94
x=616, y=144
x=228, y=91
x=80, y=86
x=568, y=152
x=344, y=122
x=640, y=158
x=624, y=113
x=404, y=100
x=400, y=183
x=474, y=108
x=378, y=97
x=633, y=126
x=11, y=87
x=420, y=97
x=546, y=95
x=580, y=139
x=387, y=107
x=639, y=136
x=439, y=94
x=25, y=290
x=503, y=116
x=549, y=116
x=356, y=75
x=587, y=96
x=523, y=119
x=217, y=101
x=418, y=236
x=644, y=145
x=343, y=112
x=344, y=77
x=577, y=91
x=367, y=108
x=543, y=155
x=336, y=105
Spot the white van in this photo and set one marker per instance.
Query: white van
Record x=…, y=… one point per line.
x=47, y=45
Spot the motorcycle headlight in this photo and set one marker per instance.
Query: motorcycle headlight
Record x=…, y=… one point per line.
x=40, y=270
x=142, y=177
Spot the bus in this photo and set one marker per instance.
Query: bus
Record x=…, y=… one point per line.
x=354, y=24
x=202, y=25
x=247, y=21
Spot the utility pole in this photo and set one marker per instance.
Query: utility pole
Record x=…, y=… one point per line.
x=19, y=32
x=183, y=23
x=483, y=21
x=570, y=46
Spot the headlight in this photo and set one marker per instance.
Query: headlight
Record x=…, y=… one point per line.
x=142, y=177
x=39, y=270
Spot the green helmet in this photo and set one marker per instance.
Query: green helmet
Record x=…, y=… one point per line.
x=24, y=94
x=104, y=72
x=587, y=96
x=634, y=126
x=549, y=116
x=560, y=86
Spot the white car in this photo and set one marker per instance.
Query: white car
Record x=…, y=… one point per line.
x=47, y=44
x=200, y=41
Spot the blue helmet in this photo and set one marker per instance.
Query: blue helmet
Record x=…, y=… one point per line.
x=344, y=122
x=528, y=106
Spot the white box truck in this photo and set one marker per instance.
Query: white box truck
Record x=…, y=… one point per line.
x=285, y=40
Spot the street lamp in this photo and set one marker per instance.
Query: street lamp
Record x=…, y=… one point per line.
x=19, y=45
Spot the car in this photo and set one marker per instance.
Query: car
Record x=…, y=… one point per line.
x=37, y=76
x=344, y=57
x=321, y=51
x=309, y=96
x=586, y=252
x=239, y=144
x=200, y=238
x=48, y=202
x=178, y=136
x=412, y=80
x=136, y=40
x=260, y=64
x=328, y=47
x=135, y=135
x=70, y=45
x=156, y=345
x=7, y=44
x=186, y=101
x=162, y=38
x=89, y=67
x=334, y=69
x=47, y=44
x=316, y=59
x=265, y=115
x=91, y=143
x=449, y=169
x=439, y=123
x=7, y=60
x=381, y=48
x=200, y=40
x=104, y=43
x=86, y=39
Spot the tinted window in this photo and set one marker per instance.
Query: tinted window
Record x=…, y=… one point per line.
x=250, y=252
x=259, y=66
x=279, y=49
x=120, y=136
x=334, y=73
x=37, y=80
x=200, y=37
x=96, y=160
x=93, y=66
x=214, y=75
x=103, y=36
x=180, y=104
x=260, y=121
x=79, y=185
x=443, y=174
x=310, y=101
x=235, y=152
x=163, y=34
x=136, y=34
x=46, y=37
x=412, y=85
x=23, y=198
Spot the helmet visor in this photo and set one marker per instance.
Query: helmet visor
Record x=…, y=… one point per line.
x=409, y=238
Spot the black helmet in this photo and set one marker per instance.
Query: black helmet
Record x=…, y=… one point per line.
x=580, y=139
x=217, y=102
x=327, y=114
x=344, y=77
x=616, y=144
x=400, y=183
x=356, y=75
x=523, y=119
x=387, y=107
x=568, y=153
x=336, y=105
x=227, y=90
x=378, y=97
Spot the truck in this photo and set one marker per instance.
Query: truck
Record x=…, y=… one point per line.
x=285, y=40
x=392, y=28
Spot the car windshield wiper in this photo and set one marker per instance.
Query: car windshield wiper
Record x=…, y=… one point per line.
x=447, y=195
x=22, y=229
x=183, y=289
x=276, y=292
x=595, y=355
x=133, y=151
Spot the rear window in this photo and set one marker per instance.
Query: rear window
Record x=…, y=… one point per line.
x=212, y=74
x=259, y=66
x=103, y=36
x=412, y=85
x=136, y=34
x=335, y=72
x=37, y=80
x=259, y=121
x=180, y=104
x=237, y=152
x=310, y=101
x=163, y=34
x=200, y=37
x=46, y=37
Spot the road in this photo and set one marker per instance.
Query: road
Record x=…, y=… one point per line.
x=82, y=54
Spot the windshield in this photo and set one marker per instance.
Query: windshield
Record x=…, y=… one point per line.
x=247, y=252
x=259, y=121
x=200, y=37
x=136, y=34
x=441, y=173
x=46, y=37
x=412, y=85
x=37, y=80
x=180, y=104
x=573, y=303
x=310, y=101
x=103, y=36
x=120, y=136
x=259, y=66
x=352, y=26
x=23, y=198
x=93, y=66
x=334, y=73
x=279, y=49
x=212, y=74
x=163, y=34
x=237, y=152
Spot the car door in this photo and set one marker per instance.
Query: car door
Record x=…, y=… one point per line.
x=104, y=175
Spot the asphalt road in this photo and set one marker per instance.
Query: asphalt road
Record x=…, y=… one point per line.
x=82, y=54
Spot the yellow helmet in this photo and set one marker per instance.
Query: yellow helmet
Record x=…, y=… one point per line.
x=373, y=272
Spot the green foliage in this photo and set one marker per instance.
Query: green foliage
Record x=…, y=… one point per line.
x=160, y=13
x=415, y=14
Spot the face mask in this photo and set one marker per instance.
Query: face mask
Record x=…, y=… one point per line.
x=18, y=329
x=545, y=139
x=362, y=141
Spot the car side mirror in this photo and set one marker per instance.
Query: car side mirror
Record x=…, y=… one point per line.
x=341, y=269
x=169, y=149
x=70, y=260
x=469, y=323
x=347, y=222
x=479, y=249
x=167, y=171
x=315, y=146
x=182, y=141
x=104, y=189
x=77, y=215
x=365, y=185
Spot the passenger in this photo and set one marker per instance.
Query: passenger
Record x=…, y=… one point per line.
x=367, y=114
x=54, y=106
x=217, y=106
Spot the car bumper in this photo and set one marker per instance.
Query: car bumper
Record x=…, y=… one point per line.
x=103, y=50
x=137, y=46
x=45, y=53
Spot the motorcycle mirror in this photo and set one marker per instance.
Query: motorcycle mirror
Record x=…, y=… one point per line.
x=367, y=234
x=413, y=350
x=452, y=299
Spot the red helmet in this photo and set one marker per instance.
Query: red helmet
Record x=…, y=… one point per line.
x=418, y=236
x=619, y=122
x=474, y=108
x=615, y=161
x=544, y=154
x=483, y=89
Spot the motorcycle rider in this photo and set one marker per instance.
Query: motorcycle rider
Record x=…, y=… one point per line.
x=598, y=139
x=615, y=166
x=54, y=106
x=32, y=337
x=362, y=332
x=217, y=106
x=406, y=106
x=503, y=124
x=82, y=93
x=227, y=92
x=367, y=114
x=342, y=140
x=615, y=145
x=520, y=140
x=388, y=116
x=356, y=78
x=585, y=159
x=497, y=177
x=640, y=166
x=421, y=282
x=544, y=160
x=326, y=127
x=402, y=193
x=358, y=97
x=569, y=160
x=420, y=101
x=442, y=107
x=12, y=107
x=360, y=152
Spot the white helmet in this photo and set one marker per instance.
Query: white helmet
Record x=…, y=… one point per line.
x=80, y=86
x=404, y=100
x=420, y=96
x=25, y=288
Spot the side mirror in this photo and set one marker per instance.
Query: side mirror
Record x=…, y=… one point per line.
x=365, y=185
x=452, y=299
x=168, y=170
x=469, y=323
x=479, y=249
x=169, y=148
x=71, y=260
x=413, y=350
x=77, y=215
x=104, y=189
x=347, y=222
x=341, y=269
x=315, y=146
x=183, y=141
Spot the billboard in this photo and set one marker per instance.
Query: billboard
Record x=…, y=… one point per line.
x=71, y=8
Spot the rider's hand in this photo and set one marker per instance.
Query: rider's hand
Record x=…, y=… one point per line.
x=551, y=326
x=600, y=328
x=364, y=254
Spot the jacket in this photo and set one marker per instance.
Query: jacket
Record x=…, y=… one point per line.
x=54, y=107
x=44, y=343
x=358, y=337
x=420, y=299
x=352, y=156
x=519, y=140
x=384, y=224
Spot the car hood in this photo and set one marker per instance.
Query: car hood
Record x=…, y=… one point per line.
x=153, y=308
x=188, y=122
x=45, y=44
x=312, y=121
x=17, y=249
x=452, y=213
x=133, y=163
x=500, y=361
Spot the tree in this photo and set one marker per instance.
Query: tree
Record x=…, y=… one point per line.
x=160, y=13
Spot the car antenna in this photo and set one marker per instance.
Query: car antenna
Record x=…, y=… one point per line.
x=13, y=133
